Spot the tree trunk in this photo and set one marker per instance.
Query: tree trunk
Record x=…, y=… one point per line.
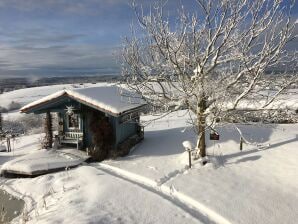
x=0, y=122
x=48, y=140
x=1, y=128
x=202, y=143
x=201, y=125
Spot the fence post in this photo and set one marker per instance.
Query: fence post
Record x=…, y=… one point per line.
x=8, y=144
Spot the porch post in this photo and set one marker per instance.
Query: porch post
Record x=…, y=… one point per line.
x=48, y=140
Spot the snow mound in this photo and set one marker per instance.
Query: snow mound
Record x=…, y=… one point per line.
x=187, y=145
x=41, y=162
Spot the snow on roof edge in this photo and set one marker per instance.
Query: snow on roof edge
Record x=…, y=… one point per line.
x=85, y=100
x=42, y=100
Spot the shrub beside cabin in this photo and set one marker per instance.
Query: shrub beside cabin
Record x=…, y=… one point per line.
x=104, y=120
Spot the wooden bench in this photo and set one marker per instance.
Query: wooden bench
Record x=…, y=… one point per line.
x=72, y=138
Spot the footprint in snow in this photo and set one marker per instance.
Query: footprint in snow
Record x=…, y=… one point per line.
x=152, y=168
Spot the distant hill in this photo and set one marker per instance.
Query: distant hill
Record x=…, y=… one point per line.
x=9, y=84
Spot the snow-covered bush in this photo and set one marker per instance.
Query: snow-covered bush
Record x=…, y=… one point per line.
x=27, y=124
x=13, y=126
x=48, y=129
x=102, y=137
x=14, y=106
x=276, y=116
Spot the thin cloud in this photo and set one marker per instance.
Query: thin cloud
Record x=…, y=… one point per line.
x=74, y=6
x=56, y=59
x=66, y=36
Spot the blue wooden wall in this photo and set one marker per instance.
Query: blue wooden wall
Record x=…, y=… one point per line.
x=123, y=130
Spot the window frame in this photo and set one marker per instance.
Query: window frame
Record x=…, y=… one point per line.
x=67, y=122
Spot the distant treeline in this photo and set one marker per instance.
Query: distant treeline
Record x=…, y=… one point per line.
x=10, y=84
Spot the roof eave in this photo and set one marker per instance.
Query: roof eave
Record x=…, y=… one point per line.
x=30, y=109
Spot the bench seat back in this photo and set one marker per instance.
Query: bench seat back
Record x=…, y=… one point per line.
x=73, y=135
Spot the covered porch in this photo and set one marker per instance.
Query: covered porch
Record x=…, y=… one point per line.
x=70, y=123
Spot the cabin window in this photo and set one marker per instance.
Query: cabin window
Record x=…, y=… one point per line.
x=131, y=117
x=73, y=121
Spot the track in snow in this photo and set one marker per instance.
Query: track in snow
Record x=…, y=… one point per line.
x=189, y=205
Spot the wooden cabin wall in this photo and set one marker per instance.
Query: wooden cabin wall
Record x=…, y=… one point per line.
x=124, y=130
x=86, y=119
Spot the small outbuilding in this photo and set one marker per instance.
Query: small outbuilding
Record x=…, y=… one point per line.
x=104, y=121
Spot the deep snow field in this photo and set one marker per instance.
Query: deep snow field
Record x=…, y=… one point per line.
x=154, y=185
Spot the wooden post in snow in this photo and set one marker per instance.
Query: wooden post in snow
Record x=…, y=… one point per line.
x=189, y=159
x=189, y=148
x=241, y=143
x=8, y=143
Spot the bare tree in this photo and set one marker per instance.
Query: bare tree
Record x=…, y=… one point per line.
x=212, y=62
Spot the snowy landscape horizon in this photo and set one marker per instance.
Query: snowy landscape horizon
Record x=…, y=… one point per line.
x=158, y=167
x=149, y=112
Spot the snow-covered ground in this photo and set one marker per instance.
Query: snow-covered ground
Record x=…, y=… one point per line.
x=257, y=185
x=154, y=185
x=90, y=195
x=20, y=147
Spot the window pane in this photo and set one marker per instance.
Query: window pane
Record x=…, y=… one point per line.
x=73, y=121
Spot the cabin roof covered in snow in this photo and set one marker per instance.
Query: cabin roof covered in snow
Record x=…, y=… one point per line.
x=110, y=99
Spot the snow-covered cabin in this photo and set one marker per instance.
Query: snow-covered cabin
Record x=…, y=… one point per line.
x=86, y=115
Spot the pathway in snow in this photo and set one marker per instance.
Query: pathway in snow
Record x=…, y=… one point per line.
x=96, y=195
x=193, y=207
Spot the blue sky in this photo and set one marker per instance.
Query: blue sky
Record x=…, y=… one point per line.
x=65, y=37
